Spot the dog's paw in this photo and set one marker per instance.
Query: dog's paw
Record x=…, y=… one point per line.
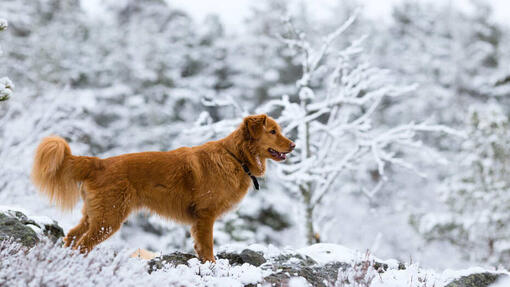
x=207, y=259
x=68, y=241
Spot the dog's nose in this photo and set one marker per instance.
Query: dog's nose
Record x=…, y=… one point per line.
x=292, y=146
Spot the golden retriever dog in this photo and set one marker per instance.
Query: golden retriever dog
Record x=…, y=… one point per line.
x=191, y=185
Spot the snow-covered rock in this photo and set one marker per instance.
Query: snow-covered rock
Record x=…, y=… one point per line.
x=28, y=230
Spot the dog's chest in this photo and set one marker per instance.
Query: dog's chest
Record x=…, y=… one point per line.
x=230, y=196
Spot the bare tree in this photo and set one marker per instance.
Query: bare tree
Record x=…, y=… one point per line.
x=333, y=122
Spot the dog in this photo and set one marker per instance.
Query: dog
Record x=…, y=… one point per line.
x=191, y=185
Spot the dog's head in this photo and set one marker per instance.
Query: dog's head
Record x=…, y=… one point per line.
x=267, y=137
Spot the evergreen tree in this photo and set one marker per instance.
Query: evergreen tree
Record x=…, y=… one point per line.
x=477, y=195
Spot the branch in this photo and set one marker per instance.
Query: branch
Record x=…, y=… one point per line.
x=304, y=120
x=6, y=88
x=332, y=37
x=333, y=175
x=6, y=85
x=3, y=24
x=370, y=194
x=228, y=101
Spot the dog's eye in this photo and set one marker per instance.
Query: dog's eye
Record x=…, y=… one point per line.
x=273, y=132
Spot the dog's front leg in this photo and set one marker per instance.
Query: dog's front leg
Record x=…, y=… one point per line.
x=202, y=232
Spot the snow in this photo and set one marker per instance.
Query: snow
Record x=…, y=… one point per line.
x=503, y=282
x=298, y=282
x=326, y=252
x=383, y=108
x=222, y=273
x=414, y=276
x=52, y=264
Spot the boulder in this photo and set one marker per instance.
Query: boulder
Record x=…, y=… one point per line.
x=13, y=228
x=321, y=276
x=174, y=259
x=28, y=231
x=246, y=256
x=476, y=280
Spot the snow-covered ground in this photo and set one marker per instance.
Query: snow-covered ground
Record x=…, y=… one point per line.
x=49, y=265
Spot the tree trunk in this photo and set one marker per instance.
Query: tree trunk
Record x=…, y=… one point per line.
x=311, y=237
x=306, y=188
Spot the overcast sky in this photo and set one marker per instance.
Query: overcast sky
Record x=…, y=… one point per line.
x=234, y=11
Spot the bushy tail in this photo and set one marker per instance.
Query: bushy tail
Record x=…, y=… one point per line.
x=57, y=173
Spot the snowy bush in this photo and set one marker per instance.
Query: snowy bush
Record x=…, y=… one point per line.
x=361, y=275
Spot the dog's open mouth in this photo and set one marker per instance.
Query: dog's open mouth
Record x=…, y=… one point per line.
x=277, y=155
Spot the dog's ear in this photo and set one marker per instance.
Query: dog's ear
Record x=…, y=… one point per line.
x=255, y=125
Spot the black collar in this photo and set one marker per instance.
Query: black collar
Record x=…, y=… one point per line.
x=246, y=169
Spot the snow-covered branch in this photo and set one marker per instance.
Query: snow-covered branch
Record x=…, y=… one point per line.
x=6, y=88
x=3, y=24
x=6, y=85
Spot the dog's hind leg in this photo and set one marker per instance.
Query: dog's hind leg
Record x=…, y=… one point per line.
x=106, y=210
x=74, y=235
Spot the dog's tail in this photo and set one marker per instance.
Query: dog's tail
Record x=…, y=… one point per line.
x=57, y=173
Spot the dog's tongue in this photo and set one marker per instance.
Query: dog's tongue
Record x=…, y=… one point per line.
x=283, y=156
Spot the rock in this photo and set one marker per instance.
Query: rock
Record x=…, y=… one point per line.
x=252, y=257
x=382, y=267
x=246, y=256
x=320, y=276
x=294, y=259
x=178, y=258
x=53, y=231
x=11, y=227
x=286, y=266
x=16, y=225
x=476, y=280
x=174, y=259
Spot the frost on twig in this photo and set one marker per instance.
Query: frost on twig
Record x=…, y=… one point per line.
x=6, y=85
x=3, y=24
x=6, y=88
